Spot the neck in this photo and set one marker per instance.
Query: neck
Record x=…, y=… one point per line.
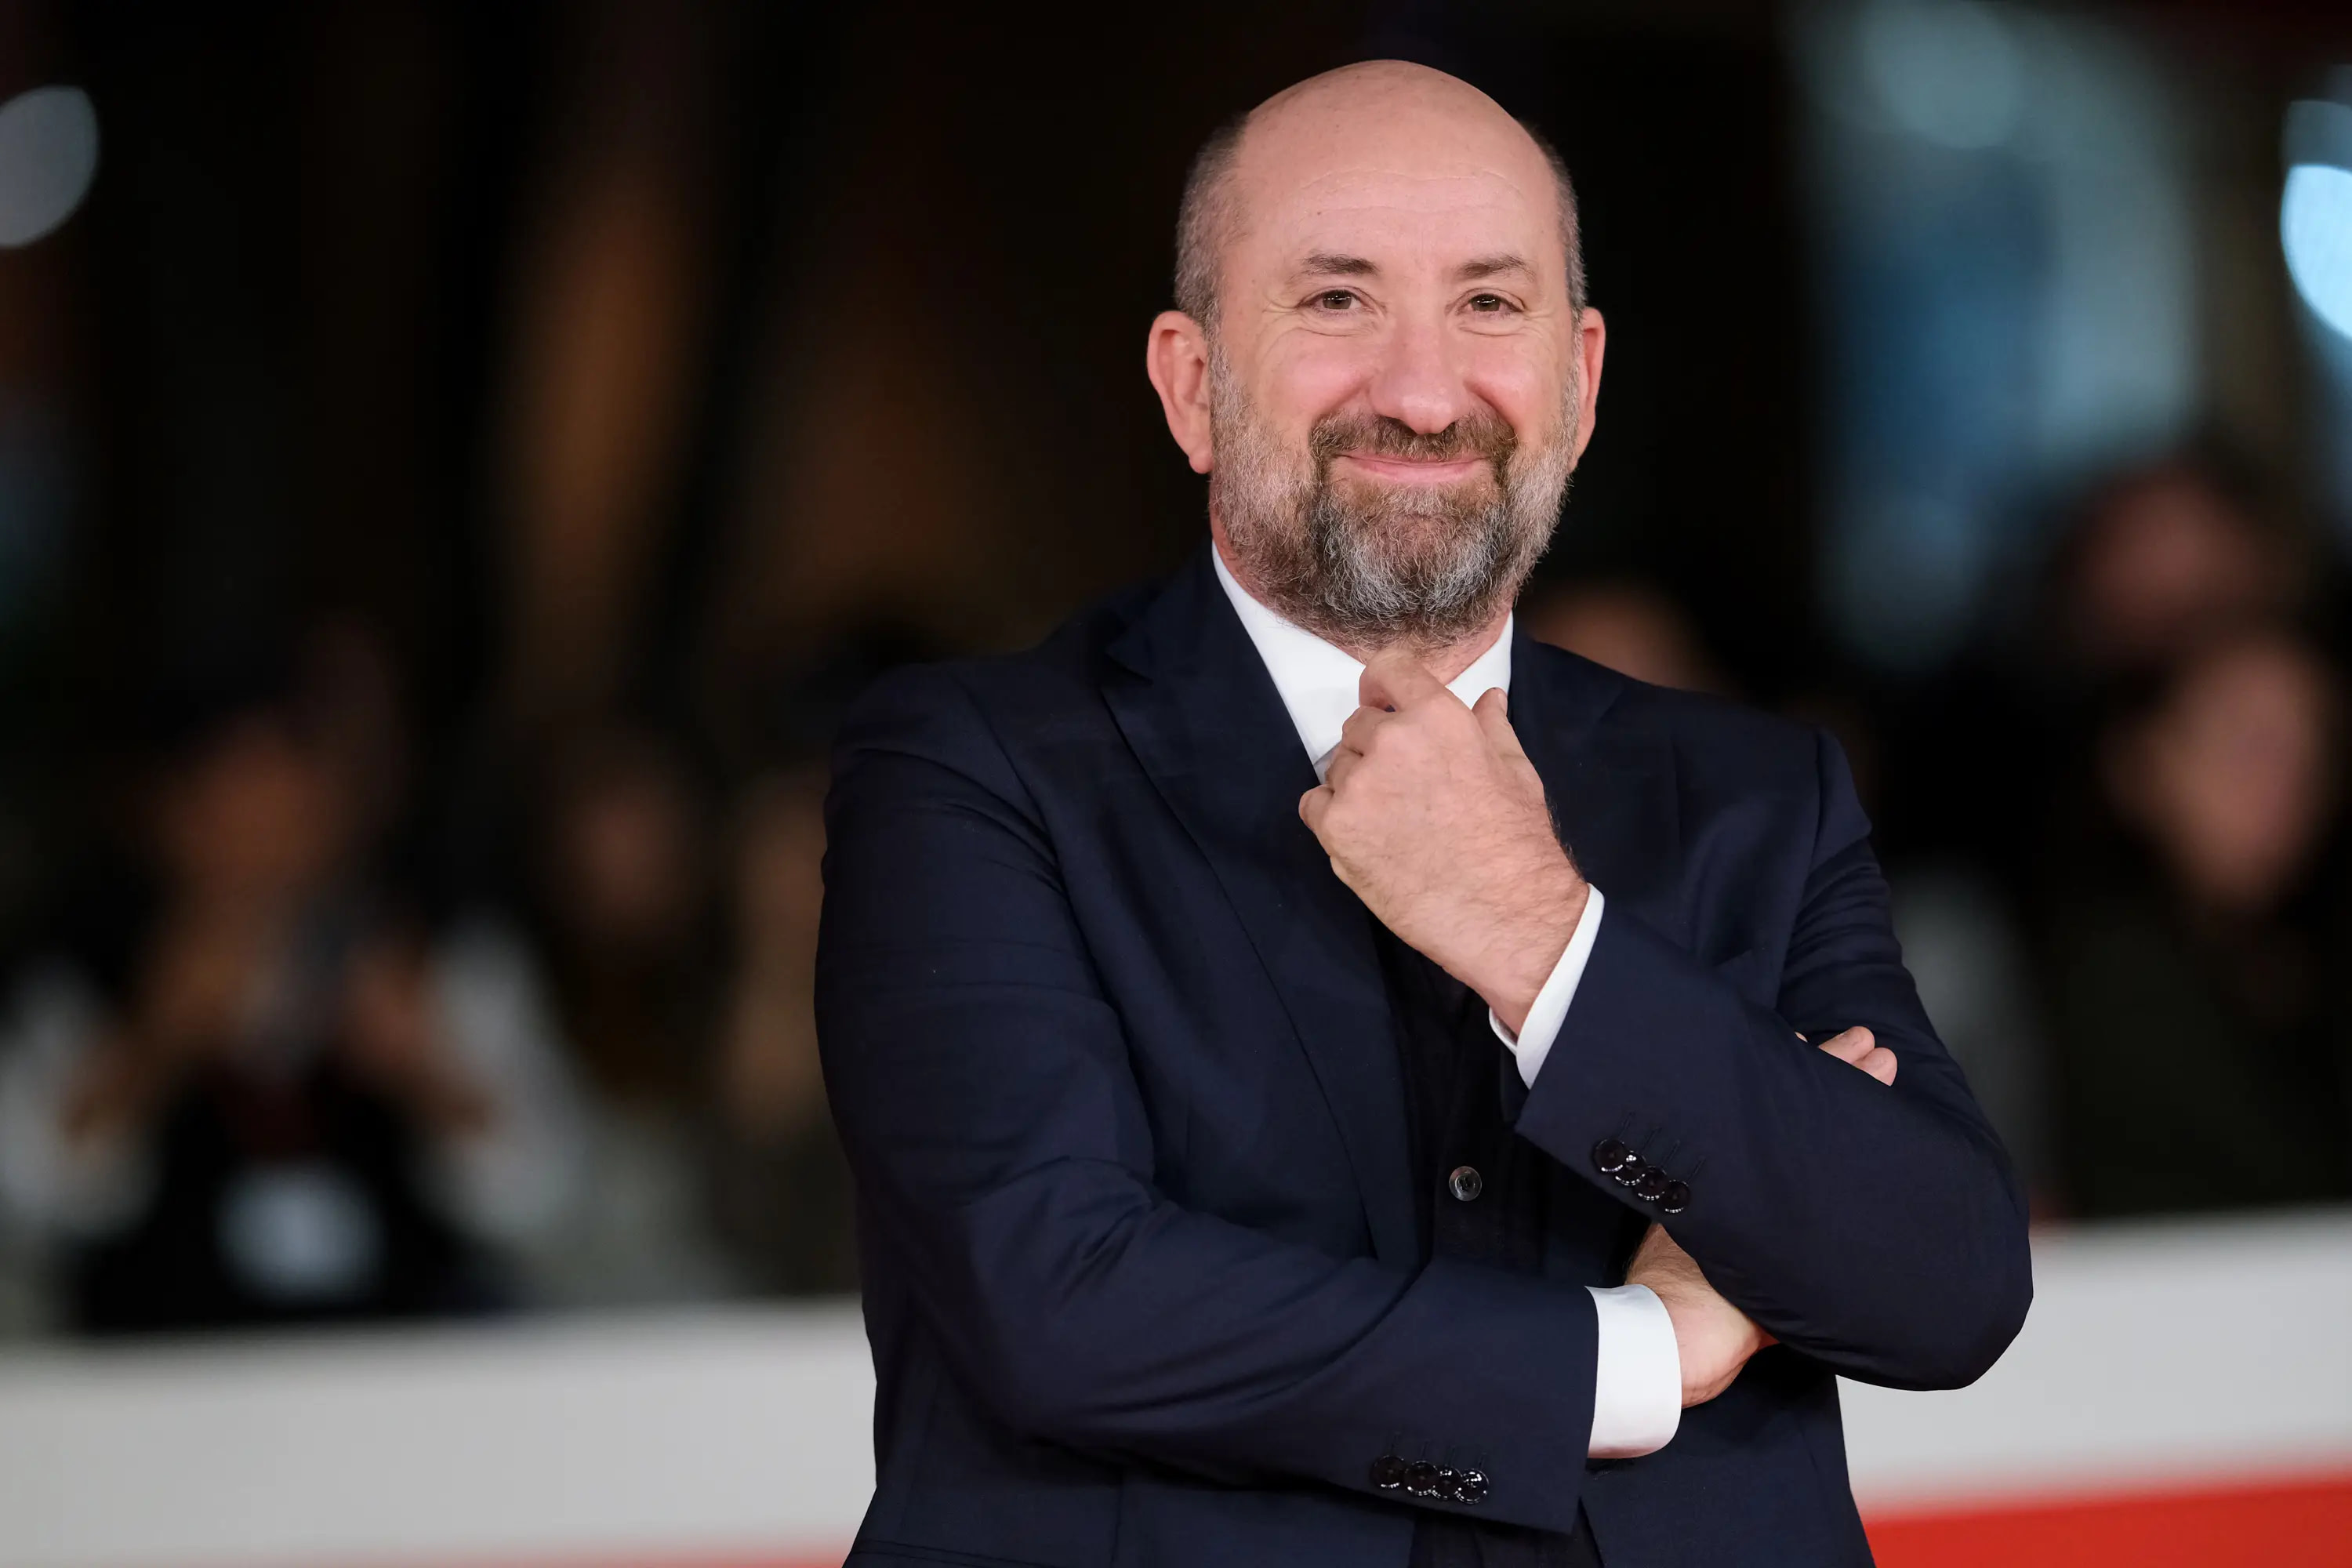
x=1445, y=660
x=1443, y=657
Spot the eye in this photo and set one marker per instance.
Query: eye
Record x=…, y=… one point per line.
x=1490, y=304
x=1336, y=300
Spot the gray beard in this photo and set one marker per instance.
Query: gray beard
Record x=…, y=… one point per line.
x=1372, y=566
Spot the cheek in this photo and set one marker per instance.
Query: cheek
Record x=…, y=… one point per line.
x=1307, y=376
x=1522, y=385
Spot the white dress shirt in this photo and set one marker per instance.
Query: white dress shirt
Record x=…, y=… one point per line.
x=1637, y=1390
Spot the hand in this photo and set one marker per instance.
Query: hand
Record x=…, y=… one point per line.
x=1712, y=1337
x=1859, y=1048
x=1436, y=819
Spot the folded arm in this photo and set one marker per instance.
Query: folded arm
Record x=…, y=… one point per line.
x=982, y=1085
x=1875, y=1228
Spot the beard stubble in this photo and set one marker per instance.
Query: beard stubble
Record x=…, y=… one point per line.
x=1369, y=566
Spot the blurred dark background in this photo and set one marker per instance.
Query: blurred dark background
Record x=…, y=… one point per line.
x=458, y=460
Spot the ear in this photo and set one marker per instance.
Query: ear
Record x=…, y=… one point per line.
x=1176, y=357
x=1591, y=344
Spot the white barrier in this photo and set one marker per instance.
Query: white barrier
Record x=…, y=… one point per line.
x=679, y=1437
x=2216, y=1351
x=2153, y=1354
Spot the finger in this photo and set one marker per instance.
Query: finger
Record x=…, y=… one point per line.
x=1356, y=734
x=1493, y=711
x=1851, y=1045
x=1395, y=679
x=1312, y=806
x=1858, y=1047
x=1344, y=760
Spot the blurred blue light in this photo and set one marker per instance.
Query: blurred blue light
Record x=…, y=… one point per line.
x=2315, y=229
x=1947, y=72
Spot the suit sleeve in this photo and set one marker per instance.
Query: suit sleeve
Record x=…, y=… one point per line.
x=1876, y=1229
x=981, y=1083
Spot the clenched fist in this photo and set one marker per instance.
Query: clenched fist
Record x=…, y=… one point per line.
x=1435, y=817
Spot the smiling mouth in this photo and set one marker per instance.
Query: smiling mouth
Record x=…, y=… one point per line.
x=1417, y=471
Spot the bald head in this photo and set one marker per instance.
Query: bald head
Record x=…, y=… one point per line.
x=1383, y=362
x=1387, y=115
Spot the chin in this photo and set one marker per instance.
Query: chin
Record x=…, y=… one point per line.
x=1451, y=502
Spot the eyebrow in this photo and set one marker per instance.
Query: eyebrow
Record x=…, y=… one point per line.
x=1490, y=266
x=1326, y=264
x=1330, y=264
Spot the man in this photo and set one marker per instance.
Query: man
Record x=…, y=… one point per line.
x=1255, y=1104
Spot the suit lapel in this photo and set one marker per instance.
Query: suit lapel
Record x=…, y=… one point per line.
x=1610, y=784
x=1204, y=720
x=1201, y=711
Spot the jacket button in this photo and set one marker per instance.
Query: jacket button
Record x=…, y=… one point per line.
x=1387, y=1472
x=1466, y=1182
x=1470, y=1486
x=1653, y=1185
x=1612, y=1156
x=1676, y=1198
x=1421, y=1479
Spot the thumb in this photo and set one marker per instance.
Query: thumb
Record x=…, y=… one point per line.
x=1395, y=681
x=1493, y=710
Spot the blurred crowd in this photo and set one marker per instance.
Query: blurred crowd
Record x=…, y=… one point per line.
x=271, y=1069
x=269, y=1072
x=2115, y=837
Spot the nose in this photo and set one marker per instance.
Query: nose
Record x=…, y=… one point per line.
x=1417, y=382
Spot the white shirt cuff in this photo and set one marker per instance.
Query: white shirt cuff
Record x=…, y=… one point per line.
x=1533, y=1042
x=1637, y=1382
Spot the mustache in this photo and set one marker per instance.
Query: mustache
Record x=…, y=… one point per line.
x=1486, y=434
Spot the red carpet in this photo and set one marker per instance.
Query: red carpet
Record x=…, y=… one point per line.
x=2303, y=1524
x=2298, y=1524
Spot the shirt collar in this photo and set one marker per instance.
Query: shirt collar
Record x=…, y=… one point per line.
x=1317, y=681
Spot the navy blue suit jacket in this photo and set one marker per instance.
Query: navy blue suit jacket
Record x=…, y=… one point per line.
x=1109, y=1049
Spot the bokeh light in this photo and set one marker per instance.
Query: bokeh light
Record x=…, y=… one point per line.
x=49, y=155
x=2315, y=229
x=1947, y=72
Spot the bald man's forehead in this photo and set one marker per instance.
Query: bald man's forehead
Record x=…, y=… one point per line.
x=1370, y=184
x=1291, y=148
x=1356, y=199
x=1426, y=144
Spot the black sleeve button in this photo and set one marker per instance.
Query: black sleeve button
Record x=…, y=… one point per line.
x=1653, y=1185
x=1470, y=1486
x=1387, y=1472
x=1676, y=1198
x=1421, y=1479
x=1612, y=1156
x=1465, y=1183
